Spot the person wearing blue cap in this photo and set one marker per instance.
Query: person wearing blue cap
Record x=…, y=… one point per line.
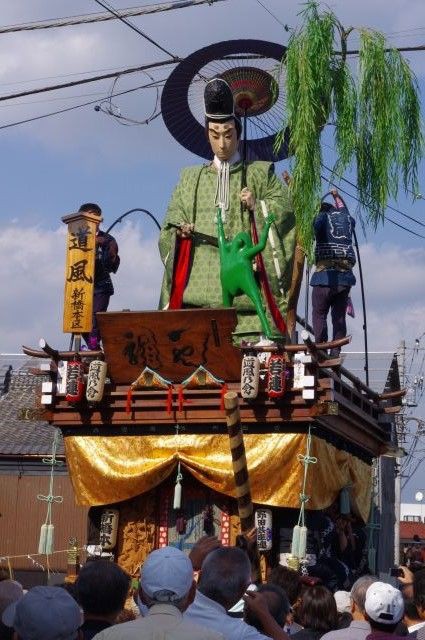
x=167, y=588
x=44, y=613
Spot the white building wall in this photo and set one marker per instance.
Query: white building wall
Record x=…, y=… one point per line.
x=412, y=509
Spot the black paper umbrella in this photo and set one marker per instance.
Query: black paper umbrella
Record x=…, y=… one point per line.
x=250, y=68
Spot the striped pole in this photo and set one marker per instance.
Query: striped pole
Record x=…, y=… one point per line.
x=240, y=468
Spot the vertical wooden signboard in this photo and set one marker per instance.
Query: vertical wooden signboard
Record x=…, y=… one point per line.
x=79, y=273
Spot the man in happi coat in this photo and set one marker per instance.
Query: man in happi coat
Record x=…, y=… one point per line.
x=245, y=193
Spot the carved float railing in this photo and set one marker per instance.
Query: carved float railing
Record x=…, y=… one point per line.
x=339, y=403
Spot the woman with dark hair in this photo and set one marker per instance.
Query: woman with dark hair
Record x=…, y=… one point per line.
x=317, y=613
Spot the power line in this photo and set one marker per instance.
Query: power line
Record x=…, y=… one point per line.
x=352, y=184
x=75, y=83
x=386, y=217
x=57, y=99
x=355, y=52
x=75, y=106
x=144, y=35
x=61, y=75
x=102, y=17
x=285, y=26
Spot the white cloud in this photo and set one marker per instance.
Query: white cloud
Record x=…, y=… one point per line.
x=31, y=300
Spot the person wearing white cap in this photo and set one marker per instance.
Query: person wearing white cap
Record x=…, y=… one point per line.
x=44, y=613
x=384, y=608
x=359, y=628
x=167, y=587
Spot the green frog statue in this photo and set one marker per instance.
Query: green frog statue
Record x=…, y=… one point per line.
x=236, y=268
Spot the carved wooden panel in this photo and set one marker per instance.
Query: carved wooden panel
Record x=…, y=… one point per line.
x=173, y=343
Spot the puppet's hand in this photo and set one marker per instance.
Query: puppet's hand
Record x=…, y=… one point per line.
x=247, y=199
x=185, y=230
x=270, y=219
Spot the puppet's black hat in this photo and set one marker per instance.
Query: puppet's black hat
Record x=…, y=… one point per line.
x=218, y=101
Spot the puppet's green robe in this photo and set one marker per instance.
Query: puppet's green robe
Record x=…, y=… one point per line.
x=193, y=202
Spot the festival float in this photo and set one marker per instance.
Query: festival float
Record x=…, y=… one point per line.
x=191, y=420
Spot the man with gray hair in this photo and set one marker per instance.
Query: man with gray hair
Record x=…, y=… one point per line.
x=167, y=588
x=224, y=578
x=359, y=628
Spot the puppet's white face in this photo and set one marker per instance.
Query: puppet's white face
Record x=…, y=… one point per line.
x=223, y=139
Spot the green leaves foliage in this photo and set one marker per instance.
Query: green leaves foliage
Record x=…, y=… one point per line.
x=376, y=113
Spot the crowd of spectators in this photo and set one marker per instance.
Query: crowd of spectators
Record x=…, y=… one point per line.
x=183, y=597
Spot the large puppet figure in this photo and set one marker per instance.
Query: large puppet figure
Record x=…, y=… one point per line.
x=246, y=193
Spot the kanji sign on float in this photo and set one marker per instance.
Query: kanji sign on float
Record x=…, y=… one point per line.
x=79, y=274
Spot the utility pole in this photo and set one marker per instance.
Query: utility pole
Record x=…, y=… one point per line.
x=397, y=479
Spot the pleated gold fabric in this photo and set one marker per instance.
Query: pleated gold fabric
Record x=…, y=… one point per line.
x=105, y=470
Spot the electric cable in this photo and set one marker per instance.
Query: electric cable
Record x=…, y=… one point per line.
x=285, y=26
x=350, y=195
x=386, y=217
x=74, y=83
x=144, y=35
x=101, y=17
x=75, y=106
x=355, y=52
x=352, y=184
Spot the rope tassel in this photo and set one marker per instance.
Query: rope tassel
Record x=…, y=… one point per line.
x=299, y=534
x=177, y=503
x=45, y=544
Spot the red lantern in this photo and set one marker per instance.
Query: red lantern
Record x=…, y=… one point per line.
x=276, y=376
x=75, y=382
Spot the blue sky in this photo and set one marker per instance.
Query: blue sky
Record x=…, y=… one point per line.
x=51, y=166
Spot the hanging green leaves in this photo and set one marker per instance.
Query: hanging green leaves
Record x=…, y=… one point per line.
x=376, y=113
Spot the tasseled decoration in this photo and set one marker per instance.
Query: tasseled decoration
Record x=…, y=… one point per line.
x=200, y=378
x=299, y=541
x=250, y=375
x=170, y=400
x=276, y=376
x=151, y=379
x=223, y=392
x=45, y=544
x=180, y=398
x=299, y=534
x=75, y=382
x=177, y=503
x=96, y=381
x=129, y=398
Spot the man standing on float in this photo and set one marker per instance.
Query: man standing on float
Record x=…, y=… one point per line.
x=188, y=239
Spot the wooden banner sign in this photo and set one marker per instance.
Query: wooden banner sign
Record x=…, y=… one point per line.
x=172, y=343
x=79, y=274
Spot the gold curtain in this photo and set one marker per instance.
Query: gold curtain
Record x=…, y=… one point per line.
x=111, y=469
